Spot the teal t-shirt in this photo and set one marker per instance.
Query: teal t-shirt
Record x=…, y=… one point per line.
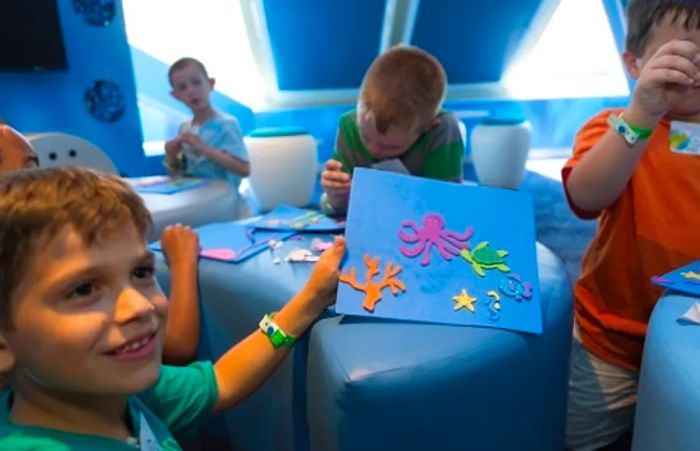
x=178, y=403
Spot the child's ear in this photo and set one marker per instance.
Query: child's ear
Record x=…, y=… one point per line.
x=631, y=63
x=7, y=357
x=175, y=95
x=212, y=82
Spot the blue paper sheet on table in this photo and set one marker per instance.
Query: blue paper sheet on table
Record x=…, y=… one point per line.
x=232, y=241
x=685, y=279
x=285, y=217
x=165, y=184
x=440, y=252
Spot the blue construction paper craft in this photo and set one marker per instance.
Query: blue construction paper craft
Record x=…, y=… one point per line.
x=166, y=185
x=685, y=279
x=440, y=252
x=232, y=242
x=285, y=217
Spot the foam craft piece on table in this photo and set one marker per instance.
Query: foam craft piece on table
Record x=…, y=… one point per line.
x=667, y=414
x=284, y=217
x=165, y=185
x=685, y=279
x=284, y=164
x=485, y=287
x=232, y=242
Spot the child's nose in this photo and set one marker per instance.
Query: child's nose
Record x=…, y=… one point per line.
x=132, y=305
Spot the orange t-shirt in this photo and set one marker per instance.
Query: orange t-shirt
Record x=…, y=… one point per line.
x=651, y=229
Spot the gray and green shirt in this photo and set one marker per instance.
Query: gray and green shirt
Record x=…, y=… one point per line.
x=436, y=154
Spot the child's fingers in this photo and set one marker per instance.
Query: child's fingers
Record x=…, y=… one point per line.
x=334, y=254
x=335, y=177
x=678, y=47
x=338, y=249
x=665, y=76
x=334, y=165
x=336, y=186
x=336, y=173
x=676, y=63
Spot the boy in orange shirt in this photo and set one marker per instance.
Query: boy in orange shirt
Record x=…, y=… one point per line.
x=624, y=172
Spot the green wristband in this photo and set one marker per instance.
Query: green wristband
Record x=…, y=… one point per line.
x=642, y=133
x=629, y=133
x=277, y=336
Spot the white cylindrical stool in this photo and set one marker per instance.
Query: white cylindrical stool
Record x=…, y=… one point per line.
x=283, y=166
x=499, y=151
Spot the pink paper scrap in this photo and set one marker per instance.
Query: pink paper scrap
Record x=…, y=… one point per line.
x=218, y=253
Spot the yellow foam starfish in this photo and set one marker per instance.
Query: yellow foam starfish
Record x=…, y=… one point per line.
x=691, y=275
x=464, y=300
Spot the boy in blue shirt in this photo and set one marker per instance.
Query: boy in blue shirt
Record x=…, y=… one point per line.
x=82, y=322
x=210, y=145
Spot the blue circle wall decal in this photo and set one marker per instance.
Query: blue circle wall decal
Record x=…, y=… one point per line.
x=99, y=13
x=105, y=101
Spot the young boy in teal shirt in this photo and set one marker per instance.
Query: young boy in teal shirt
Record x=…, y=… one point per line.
x=82, y=323
x=398, y=126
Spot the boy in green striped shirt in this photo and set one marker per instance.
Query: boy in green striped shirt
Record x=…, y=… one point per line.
x=398, y=126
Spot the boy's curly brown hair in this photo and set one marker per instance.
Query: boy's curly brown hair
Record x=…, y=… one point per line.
x=38, y=204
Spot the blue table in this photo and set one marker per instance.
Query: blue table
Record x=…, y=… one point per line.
x=668, y=408
x=213, y=202
x=514, y=387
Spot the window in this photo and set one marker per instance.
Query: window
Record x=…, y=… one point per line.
x=213, y=31
x=575, y=56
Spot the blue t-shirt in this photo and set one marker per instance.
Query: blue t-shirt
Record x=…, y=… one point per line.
x=221, y=132
x=178, y=403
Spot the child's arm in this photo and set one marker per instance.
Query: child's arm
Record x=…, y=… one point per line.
x=600, y=177
x=249, y=363
x=230, y=162
x=336, y=186
x=181, y=248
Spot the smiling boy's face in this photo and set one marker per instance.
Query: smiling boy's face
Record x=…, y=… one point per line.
x=86, y=320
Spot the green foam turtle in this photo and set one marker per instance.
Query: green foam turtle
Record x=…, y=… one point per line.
x=483, y=257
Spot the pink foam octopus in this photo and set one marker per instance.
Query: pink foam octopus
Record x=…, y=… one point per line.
x=433, y=233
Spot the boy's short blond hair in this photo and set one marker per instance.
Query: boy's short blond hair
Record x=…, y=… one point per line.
x=642, y=15
x=38, y=204
x=404, y=87
x=184, y=62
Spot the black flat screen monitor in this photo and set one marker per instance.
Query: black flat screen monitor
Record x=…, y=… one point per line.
x=31, y=36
